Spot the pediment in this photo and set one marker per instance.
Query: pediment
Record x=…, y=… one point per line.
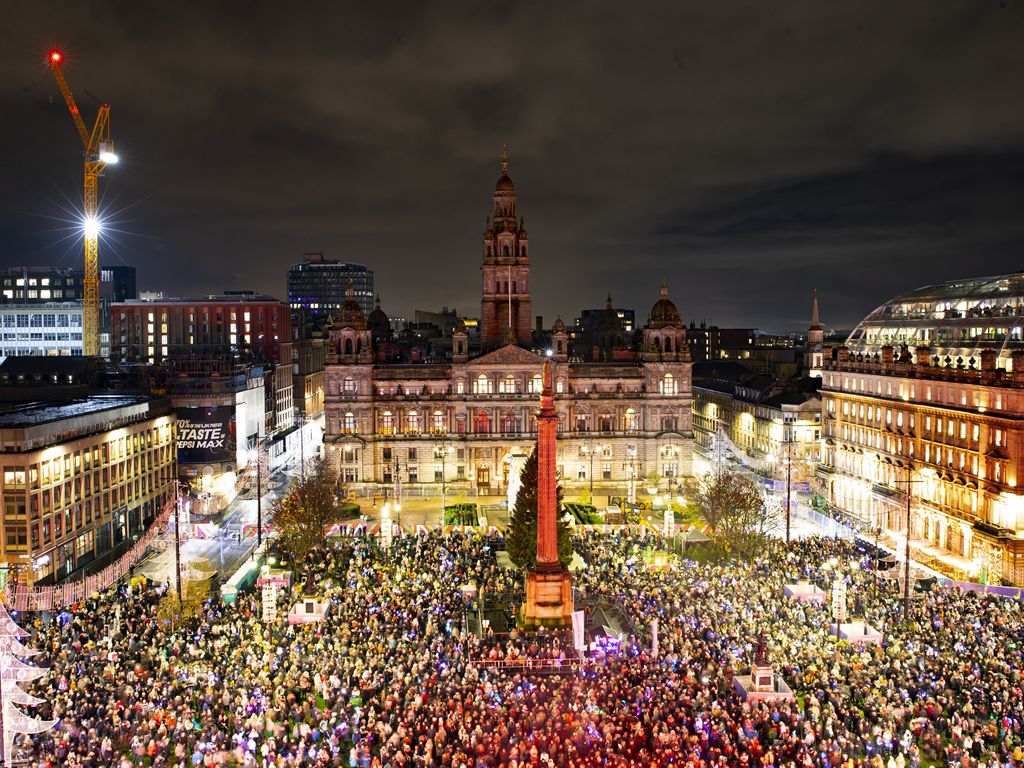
x=510, y=354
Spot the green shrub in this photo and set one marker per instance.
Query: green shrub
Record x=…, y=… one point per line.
x=584, y=514
x=349, y=510
x=461, y=514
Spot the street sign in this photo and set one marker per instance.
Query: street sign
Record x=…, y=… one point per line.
x=269, y=600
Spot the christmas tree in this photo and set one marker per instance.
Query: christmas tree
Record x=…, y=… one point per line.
x=13, y=672
x=521, y=540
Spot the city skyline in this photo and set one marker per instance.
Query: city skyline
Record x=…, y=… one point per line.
x=862, y=153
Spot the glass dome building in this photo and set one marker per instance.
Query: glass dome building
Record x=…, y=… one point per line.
x=957, y=319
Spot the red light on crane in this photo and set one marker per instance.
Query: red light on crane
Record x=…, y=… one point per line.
x=56, y=57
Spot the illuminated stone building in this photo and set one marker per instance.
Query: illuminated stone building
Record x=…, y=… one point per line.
x=930, y=387
x=463, y=418
x=768, y=420
x=80, y=478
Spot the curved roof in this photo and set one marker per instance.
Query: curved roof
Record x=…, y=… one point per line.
x=959, y=318
x=664, y=312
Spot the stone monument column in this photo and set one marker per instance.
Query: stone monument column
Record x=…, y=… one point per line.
x=549, y=585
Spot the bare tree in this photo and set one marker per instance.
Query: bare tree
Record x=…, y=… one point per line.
x=303, y=516
x=734, y=509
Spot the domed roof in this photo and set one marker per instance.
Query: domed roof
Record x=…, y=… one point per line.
x=505, y=184
x=351, y=315
x=664, y=312
x=559, y=326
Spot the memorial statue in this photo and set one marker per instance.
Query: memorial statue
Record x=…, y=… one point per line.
x=761, y=652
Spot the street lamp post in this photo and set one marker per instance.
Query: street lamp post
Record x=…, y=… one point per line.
x=906, y=556
x=926, y=472
x=789, y=483
x=177, y=539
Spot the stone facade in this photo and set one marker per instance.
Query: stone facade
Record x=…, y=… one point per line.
x=464, y=419
x=930, y=388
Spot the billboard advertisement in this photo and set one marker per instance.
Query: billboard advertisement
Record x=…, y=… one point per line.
x=205, y=435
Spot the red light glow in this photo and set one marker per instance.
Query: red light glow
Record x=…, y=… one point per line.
x=56, y=56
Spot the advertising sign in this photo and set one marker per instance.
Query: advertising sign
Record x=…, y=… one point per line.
x=204, y=435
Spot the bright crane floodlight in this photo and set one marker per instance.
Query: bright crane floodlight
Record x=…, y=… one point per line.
x=92, y=227
x=107, y=154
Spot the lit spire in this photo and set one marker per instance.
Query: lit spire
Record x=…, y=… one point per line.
x=664, y=289
x=815, y=324
x=504, y=159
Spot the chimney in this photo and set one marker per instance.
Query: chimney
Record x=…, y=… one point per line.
x=540, y=323
x=988, y=359
x=1017, y=363
x=887, y=354
x=923, y=354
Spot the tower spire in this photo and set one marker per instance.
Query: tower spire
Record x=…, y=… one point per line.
x=504, y=159
x=815, y=324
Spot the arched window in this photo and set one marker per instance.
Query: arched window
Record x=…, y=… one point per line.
x=657, y=343
x=482, y=385
x=348, y=346
x=536, y=384
x=630, y=421
x=507, y=385
x=348, y=424
x=506, y=251
x=668, y=385
x=414, y=422
x=349, y=386
x=668, y=343
x=514, y=287
x=438, y=423
x=387, y=423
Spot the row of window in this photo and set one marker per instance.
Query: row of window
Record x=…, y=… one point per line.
x=43, y=320
x=950, y=394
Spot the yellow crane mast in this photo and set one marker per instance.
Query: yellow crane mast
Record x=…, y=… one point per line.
x=99, y=152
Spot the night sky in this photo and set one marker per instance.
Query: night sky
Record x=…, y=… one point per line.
x=747, y=152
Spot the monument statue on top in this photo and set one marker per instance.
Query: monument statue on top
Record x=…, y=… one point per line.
x=548, y=585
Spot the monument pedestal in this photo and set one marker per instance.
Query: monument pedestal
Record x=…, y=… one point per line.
x=548, y=599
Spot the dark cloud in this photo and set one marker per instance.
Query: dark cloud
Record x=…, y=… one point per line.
x=746, y=152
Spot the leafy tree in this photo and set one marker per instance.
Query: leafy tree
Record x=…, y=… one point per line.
x=522, y=533
x=733, y=507
x=303, y=516
x=195, y=590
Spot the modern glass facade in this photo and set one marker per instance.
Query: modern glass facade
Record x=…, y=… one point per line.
x=317, y=285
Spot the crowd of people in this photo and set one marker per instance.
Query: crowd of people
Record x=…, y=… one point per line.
x=393, y=678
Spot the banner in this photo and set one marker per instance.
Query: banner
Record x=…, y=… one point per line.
x=577, y=630
x=204, y=434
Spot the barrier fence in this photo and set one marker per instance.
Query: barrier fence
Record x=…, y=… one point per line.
x=21, y=597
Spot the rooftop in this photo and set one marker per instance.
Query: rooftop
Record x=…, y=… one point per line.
x=959, y=318
x=33, y=414
x=229, y=298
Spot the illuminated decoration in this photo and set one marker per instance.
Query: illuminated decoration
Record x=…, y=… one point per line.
x=13, y=672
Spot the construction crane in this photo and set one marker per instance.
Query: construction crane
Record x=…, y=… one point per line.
x=99, y=153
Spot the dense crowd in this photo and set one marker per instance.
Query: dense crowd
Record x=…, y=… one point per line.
x=392, y=678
